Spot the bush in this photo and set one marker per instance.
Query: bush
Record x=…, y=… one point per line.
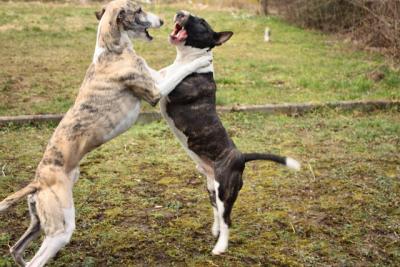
x=374, y=23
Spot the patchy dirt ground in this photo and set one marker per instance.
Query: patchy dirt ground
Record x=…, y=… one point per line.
x=140, y=201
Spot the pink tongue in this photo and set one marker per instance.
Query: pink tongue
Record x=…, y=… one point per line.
x=182, y=35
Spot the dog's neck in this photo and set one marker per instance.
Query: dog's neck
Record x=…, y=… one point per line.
x=185, y=54
x=110, y=38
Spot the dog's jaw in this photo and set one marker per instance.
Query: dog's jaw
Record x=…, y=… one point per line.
x=142, y=22
x=179, y=34
x=155, y=21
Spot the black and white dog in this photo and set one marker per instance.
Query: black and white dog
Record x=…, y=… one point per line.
x=190, y=111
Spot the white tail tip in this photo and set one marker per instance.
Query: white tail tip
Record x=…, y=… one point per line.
x=293, y=164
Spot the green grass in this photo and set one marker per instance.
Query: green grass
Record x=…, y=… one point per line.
x=46, y=49
x=341, y=209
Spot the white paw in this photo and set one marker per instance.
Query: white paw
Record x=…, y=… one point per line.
x=207, y=61
x=218, y=250
x=215, y=229
x=220, y=247
x=202, y=62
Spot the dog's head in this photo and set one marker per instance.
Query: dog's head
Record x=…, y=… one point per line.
x=193, y=31
x=129, y=16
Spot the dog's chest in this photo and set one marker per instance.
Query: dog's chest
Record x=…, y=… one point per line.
x=196, y=89
x=191, y=113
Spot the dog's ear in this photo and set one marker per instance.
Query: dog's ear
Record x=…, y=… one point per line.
x=100, y=13
x=222, y=37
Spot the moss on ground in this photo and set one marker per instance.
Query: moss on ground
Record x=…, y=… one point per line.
x=141, y=202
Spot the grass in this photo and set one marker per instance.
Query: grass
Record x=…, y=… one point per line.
x=140, y=201
x=47, y=47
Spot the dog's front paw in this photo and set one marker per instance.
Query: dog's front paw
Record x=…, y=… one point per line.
x=201, y=62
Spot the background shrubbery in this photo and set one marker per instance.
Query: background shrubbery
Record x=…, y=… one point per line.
x=373, y=23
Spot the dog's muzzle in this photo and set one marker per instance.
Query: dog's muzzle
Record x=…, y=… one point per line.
x=147, y=22
x=154, y=20
x=179, y=34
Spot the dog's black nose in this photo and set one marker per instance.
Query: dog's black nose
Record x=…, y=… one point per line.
x=161, y=22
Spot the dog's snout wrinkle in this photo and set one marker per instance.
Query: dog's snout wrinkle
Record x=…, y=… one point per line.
x=181, y=16
x=183, y=13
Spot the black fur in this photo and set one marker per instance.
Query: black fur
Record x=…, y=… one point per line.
x=200, y=33
x=192, y=108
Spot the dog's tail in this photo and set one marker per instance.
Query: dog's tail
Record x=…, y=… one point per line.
x=14, y=198
x=287, y=161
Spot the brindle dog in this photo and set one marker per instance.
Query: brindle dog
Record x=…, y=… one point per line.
x=190, y=111
x=107, y=104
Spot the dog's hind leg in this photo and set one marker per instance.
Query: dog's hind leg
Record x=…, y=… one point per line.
x=53, y=243
x=31, y=233
x=227, y=185
x=56, y=212
x=216, y=223
x=223, y=238
x=209, y=173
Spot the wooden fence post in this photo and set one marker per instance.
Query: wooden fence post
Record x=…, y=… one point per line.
x=264, y=7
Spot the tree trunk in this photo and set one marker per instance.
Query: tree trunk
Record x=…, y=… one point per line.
x=264, y=7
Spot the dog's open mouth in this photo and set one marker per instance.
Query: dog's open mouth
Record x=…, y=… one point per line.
x=179, y=34
x=148, y=36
